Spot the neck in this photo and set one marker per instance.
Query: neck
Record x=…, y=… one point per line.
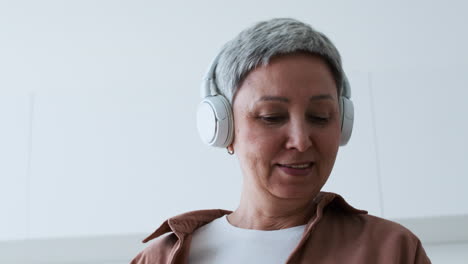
x=267, y=212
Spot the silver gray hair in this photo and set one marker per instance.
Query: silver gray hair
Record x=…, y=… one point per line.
x=257, y=45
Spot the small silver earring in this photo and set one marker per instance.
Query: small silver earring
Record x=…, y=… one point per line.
x=230, y=151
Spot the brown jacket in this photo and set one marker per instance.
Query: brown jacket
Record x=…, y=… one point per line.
x=336, y=233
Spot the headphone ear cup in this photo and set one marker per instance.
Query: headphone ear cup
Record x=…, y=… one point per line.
x=347, y=120
x=215, y=121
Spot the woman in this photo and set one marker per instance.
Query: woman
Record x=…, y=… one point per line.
x=290, y=113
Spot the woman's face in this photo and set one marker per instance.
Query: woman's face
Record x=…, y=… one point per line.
x=287, y=126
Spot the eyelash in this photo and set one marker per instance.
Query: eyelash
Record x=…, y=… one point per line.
x=272, y=119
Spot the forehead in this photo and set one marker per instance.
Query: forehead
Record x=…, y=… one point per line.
x=294, y=77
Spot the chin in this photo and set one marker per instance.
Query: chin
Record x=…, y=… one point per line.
x=295, y=192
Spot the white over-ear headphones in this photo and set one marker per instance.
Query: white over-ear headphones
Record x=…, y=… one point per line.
x=214, y=117
x=215, y=120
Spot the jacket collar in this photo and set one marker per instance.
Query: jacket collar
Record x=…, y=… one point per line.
x=187, y=223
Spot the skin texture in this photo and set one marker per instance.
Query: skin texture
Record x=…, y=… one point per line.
x=286, y=112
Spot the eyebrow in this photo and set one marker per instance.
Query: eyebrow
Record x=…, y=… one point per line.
x=286, y=100
x=321, y=97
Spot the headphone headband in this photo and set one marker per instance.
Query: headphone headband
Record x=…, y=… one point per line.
x=208, y=87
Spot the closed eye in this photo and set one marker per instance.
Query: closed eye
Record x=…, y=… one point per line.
x=318, y=119
x=278, y=119
x=272, y=119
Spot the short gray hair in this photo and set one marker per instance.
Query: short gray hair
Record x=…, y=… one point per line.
x=257, y=45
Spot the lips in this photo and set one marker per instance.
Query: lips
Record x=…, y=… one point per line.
x=302, y=165
x=297, y=169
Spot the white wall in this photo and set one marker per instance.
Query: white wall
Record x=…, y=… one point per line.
x=453, y=253
x=97, y=103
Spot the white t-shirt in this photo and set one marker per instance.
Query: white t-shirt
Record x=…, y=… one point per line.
x=221, y=242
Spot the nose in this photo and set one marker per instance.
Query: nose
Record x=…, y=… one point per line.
x=298, y=136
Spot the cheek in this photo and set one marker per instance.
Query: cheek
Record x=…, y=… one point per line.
x=254, y=163
x=250, y=136
x=254, y=148
x=327, y=144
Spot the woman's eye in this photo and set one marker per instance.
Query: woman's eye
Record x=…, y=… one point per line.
x=319, y=119
x=272, y=119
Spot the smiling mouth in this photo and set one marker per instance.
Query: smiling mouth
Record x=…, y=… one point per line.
x=304, y=165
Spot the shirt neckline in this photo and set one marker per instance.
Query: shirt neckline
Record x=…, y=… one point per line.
x=225, y=223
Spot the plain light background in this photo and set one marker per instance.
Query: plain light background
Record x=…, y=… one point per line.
x=97, y=118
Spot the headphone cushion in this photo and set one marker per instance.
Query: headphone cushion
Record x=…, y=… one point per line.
x=347, y=120
x=215, y=121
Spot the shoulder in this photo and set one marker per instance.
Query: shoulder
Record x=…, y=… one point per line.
x=384, y=229
x=361, y=224
x=171, y=233
x=390, y=236
x=379, y=237
x=158, y=251
x=339, y=213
